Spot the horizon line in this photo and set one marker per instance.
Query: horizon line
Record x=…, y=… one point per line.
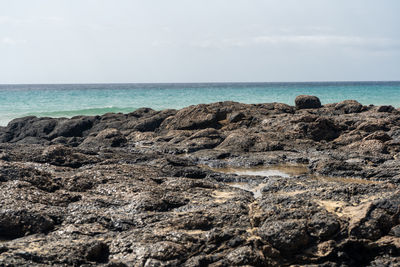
x=275, y=82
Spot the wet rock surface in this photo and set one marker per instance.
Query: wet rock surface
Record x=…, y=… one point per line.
x=223, y=184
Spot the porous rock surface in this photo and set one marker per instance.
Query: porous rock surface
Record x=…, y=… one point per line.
x=307, y=101
x=141, y=189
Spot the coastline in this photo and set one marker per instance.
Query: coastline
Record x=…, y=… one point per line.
x=57, y=100
x=147, y=187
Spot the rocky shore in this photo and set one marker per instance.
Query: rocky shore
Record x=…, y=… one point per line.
x=222, y=184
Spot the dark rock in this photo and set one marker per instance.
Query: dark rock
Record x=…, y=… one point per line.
x=323, y=129
x=307, y=101
x=105, y=138
x=191, y=172
x=385, y=109
x=245, y=256
x=283, y=108
x=38, y=178
x=194, y=118
x=98, y=252
x=141, y=112
x=287, y=236
x=140, y=189
x=317, y=128
x=237, y=141
x=17, y=223
x=336, y=166
x=395, y=231
x=349, y=106
x=267, y=146
x=61, y=155
x=236, y=117
x=374, y=126
x=167, y=250
x=368, y=147
x=381, y=136
x=152, y=123
x=323, y=225
x=153, y=201
x=74, y=127
x=377, y=220
x=4, y=156
x=116, y=264
x=3, y=249
x=203, y=139
x=31, y=126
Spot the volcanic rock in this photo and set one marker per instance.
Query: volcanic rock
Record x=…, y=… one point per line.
x=222, y=184
x=307, y=101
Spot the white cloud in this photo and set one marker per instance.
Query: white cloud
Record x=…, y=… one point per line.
x=162, y=43
x=52, y=19
x=329, y=40
x=12, y=41
x=213, y=43
x=309, y=39
x=12, y=20
x=30, y=20
x=301, y=40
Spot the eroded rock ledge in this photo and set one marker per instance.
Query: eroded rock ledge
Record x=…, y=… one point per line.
x=144, y=188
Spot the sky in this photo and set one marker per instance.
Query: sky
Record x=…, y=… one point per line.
x=156, y=41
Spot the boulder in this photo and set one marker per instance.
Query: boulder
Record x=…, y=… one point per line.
x=238, y=141
x=386, y=109
x=31, y=127
x=320, y=129
x=194, y=118
x=204, y=116
x=323, y=225
x=349, y=106
x=60, y=155
x=105, y=138
x=97, y=252
x=73, y=127
x=287, y=236
x=323, y=129
x=307, y=101
x=150, y=124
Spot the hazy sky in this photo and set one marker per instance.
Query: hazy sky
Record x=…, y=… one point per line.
x=85, y=41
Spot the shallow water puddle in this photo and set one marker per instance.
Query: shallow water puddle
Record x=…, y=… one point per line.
x=285, y=171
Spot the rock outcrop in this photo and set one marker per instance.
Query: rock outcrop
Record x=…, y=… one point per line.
x=222, y=184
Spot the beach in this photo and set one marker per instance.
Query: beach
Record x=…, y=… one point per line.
x=309, y=182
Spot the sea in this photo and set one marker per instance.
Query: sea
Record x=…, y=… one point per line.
x=68, y=100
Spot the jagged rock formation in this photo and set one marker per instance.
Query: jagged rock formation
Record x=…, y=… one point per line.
x=141, y=189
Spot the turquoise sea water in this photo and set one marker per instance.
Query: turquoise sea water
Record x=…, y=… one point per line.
x=96, y=99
